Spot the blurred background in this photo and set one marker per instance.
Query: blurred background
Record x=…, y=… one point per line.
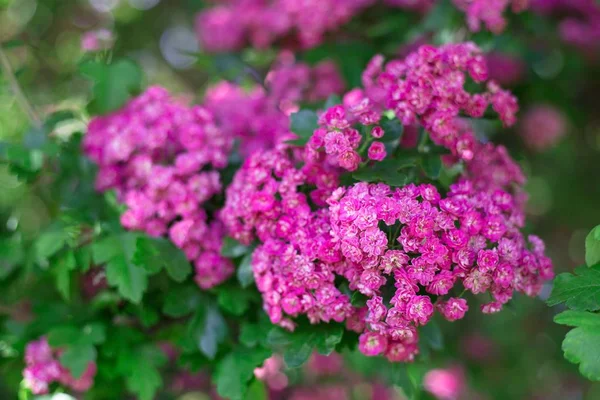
x=515, y=354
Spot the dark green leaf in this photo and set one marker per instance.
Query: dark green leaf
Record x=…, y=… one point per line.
x=155, y=254
x=358, y=299
x=117, y=253
x=235, y=371
x=394, y=172
x=303, y=124
x=234, y=300
x=393, y=129
x=579, y=291
x=432, y=335
x=180, y=302
x=140, y=369
x=62, y=271
x=592, y=247
x=332, y=100
x=208, y=329
x=432, y=165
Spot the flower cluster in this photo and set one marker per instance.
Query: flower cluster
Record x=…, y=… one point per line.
x=259, y=118
x=43, y=368
x=161, y=157
x=270, y=199
x=542, y=127
x=488, y=12
x=231, y=25
x=423, y=244
x=408, y=250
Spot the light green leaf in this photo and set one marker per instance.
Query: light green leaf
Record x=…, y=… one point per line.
x=140, y=369
x=156, y=254
x=113, y=84
x=582, y=346
x=579, y=291
x=592, y=247
x=49, y=243
x=578, y=318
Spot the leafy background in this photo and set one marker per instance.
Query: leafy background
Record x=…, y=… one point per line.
x=522, y=346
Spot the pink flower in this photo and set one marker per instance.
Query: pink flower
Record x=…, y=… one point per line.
x=453, y=309
x=377, y=151
x=445, y=384
x=372, y=343
x=542, y=127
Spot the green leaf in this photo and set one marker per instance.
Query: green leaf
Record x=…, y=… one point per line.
x=234, y=372
x=62, y=271
x=208, y=329
x=11, y=255
x=579, y=291
x=358, y=299
x=257, y=391
x=432, y=335
x=156, y=254
x=592, y=247
x=63, y=336
x=234, y=300
x=432, y=165
x=402, y=378
x=117, y=253
x=297, y=346
x=77, y=357
x=394, y=172
x=332, y=100
x=582, y=346
x=49, y=243
x=303, y=124
x=140, y=369
x=393, y=129
x=113, y=84
x=245, y=275
x=231, y=248
x=578, y=318
x=180, y=302
x=252, y=334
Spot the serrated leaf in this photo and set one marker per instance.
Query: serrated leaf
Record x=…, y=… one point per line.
x=231, y=248
x=113, y=84
x=592, y=247
x=579, y=291
x=234, y=372
x=117, y=253
x=155, y=254
x=582, y=346
x=140, y=369
x=245, y=274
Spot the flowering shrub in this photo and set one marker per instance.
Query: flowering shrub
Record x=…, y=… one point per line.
x=341, y=196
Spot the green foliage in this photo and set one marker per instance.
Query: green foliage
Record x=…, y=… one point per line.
x=155, y=254
x=234, y=371
x=297, y=346
x=113, y=84
x=394, y=172
x=140, y=367
x=582, y=344
x=303, y=124
x=592, y=247
x=78, y=345
x=579, y=291
x=117, y=251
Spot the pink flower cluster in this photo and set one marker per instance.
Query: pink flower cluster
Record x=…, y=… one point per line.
x=234, y=23
x=488, y=12
x=445, y=384
x=401, y=248
x=162, y=157
x=43, y=368
x=542, y=127
x=269, y=200
x=428, y=88
x=260, y=117
x=469, y=237
x=580, y=21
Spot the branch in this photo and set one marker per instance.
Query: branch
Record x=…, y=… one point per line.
x=16, y=89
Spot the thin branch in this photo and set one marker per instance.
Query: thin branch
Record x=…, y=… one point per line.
x=16, y=89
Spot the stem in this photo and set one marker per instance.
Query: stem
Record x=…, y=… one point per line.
x=16, y=89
